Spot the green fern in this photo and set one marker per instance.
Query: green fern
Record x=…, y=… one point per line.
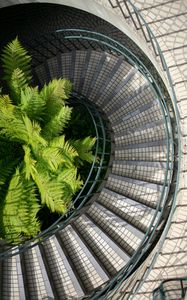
x=57, y=123
x=7, y=167
x=33, y=130
x=55, y=94
x=17, y=126
x=11, y=123
x=18, y=210
x=16, y=57
x=29, y=163
x=70, y=177
x=84, y=149
x=32, y=104
x=67, y=151
x=51, y=191
x=17, y=83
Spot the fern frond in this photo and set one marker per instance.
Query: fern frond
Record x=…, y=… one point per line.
x=11, y=123
x=56, y=125
x=15, y=56
x=7, y=167
x=33, y=130
x=67, y=151
x=51, y=192
x=55, y=95
x=84, y=149
x=32, y=104
x=70, y=177
x=30, y=163
x=18, y=127
x=17, y=82
x=19, y=209
x=52, y=157
x=5, y=102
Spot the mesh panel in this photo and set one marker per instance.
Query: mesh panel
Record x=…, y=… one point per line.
x=141, y=191
x=133, y=212
x=85, y=264
x=64, y=280
x=116, y=228
x=104, y=248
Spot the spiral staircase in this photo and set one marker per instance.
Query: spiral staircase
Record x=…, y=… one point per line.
x=125, y=240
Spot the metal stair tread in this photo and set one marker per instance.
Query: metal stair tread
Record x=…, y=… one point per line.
x=124, y=234
x=123, y=115
x=116, y=84
x=145, y=136
x=133, y=121
x=125, y=100
x=141, y=191
x=142, y=145
x=65, y=281
x=108, y=81
x=111, y=256
x=88, y=269
x=102, y=78
x=12, y=280
x=142, y=183
x=95, y=59
x=140, y=128
x=119, y=88
x=153, y=172
x=135, y=213
x=37, y=282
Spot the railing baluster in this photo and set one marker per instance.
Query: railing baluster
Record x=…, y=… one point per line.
x=129, y=12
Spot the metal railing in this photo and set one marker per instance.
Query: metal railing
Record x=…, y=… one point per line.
x=171, y=289
x=95, y=176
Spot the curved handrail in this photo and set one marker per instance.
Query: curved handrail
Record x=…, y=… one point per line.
x=161, y=292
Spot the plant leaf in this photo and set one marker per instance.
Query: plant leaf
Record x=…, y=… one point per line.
x=19, y=209
x=84, y=148
x=55, y=94
x=32, y=104
x=56, y=124
x=16, y=57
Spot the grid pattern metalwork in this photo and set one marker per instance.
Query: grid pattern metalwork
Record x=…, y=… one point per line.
x=171, y=289
x=133, y=212
x=37, y=281
x=148, y=152
x=12, y=280
x=143, y=170
x=64, y=281
x=103, y=247
x=85, y=264
x=119, y=230
x=143, y=192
